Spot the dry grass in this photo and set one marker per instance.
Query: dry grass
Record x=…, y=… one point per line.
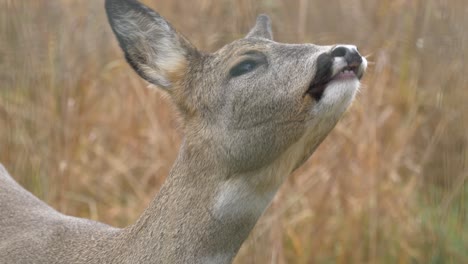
x=389, y=185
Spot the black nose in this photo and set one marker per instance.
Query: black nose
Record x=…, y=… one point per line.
x=350, y=54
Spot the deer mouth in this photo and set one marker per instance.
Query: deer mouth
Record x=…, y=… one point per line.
x=343, y=63
x=323, y=77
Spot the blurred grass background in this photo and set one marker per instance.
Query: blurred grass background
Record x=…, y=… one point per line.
x=79, y=129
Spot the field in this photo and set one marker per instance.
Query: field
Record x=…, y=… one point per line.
x=80, y=130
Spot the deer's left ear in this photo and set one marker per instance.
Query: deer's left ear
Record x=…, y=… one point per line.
x=262, y=28
x=152, y=47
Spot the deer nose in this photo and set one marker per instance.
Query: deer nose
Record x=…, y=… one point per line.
x=349, y=53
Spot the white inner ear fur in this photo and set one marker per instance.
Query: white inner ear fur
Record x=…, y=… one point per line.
x=169, y=59
x=164, y=54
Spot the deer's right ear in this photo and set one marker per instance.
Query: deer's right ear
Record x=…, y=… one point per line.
x=151, y=46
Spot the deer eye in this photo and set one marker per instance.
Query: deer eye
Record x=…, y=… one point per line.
x=243, y=68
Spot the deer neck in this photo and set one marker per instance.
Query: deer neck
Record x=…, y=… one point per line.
x=202, y=214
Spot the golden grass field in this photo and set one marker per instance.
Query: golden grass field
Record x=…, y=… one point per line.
x=80, y=130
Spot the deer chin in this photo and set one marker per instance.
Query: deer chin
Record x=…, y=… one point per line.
x=337, y=96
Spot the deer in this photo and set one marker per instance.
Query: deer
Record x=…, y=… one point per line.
x=252, y=112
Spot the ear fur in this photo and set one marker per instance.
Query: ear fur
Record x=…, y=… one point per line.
x=151, y=46
x=262, y=28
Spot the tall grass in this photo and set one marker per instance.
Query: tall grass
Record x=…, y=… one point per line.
x=79, y=129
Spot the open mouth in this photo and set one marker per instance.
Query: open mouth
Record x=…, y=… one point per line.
x=348, y=72
x=319, y=84
x=343, y=63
